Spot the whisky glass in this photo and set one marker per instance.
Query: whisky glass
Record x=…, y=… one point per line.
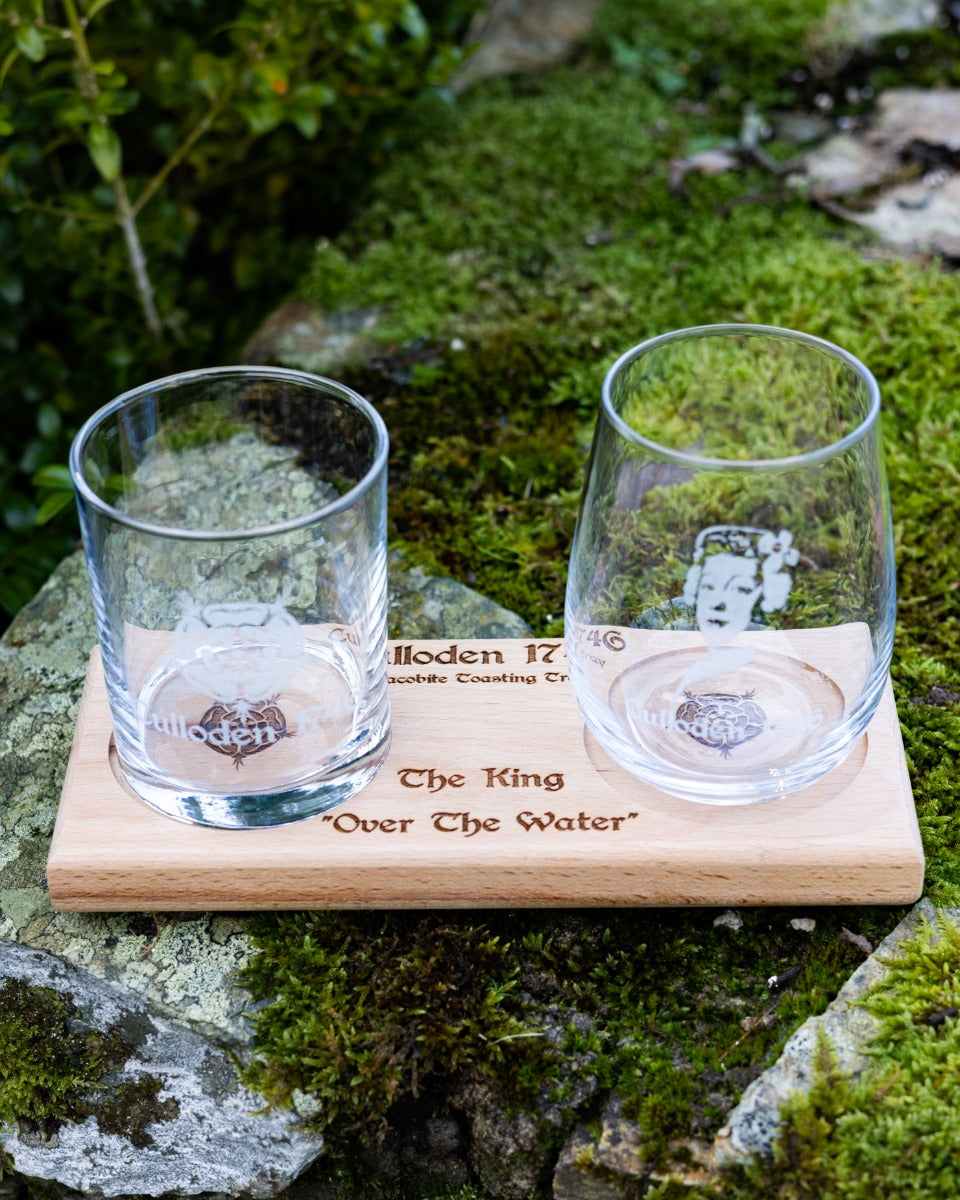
x=730, y=602
x=234, y=521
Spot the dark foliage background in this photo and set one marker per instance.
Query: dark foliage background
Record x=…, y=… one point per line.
x=219, y=140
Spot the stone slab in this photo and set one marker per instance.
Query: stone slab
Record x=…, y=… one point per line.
x=207, y=1135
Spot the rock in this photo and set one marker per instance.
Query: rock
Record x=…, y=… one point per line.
x=514, y=36
x=728, y=920
x=920, y=216
x=752, y=1125
x=864, y=945
x=172, y=1118
x=606, y=1168
x=849, y=26
x=576, y=1178
x=428, y=1157
x=912, y=133
x=801, y=128
x=435, y=1157
x=803, y=924
x=612, y=1166
x=175, y=973
x=432, y=606
x=907, y=116
x=705, y=162
x=905, y=120
x=508, y=1152
x=846, y=164
x=513, y=1153
x=299, y=335
x=418, y=1155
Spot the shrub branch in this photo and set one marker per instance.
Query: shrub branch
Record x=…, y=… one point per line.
x=125, y=213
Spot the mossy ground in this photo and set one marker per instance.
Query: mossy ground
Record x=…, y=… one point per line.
x=527, y=241
x=375, y=1010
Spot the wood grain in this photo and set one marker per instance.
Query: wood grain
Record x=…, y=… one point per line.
x=492, y=795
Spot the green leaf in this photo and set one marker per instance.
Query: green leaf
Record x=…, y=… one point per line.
x=307, y=123
x=54, y=503
x=668, y=83
x=55, y=476
x=104, y=149
x=207, y=72
x=95, y=7
x=48, y=421
x=11, y=287
x=72, y=111
x=9, y=59
x=272, y=77
x=413, y=24
x=317, y=95
x=34, y=455
x=261, y=116
x=626, y=57
x=30, y=43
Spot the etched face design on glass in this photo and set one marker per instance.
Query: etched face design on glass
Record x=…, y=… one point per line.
x=729, y=587
x=735, y=568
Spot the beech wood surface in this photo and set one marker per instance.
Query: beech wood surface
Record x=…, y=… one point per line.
x=493, y=795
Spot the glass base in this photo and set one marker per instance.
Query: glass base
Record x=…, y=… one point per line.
x=256, y=810
x=752, y=733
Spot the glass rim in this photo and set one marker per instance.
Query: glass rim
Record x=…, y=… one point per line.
x=692, y=459
x=168, y=382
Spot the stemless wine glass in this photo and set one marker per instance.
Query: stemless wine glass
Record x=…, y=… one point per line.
x=234, y=521
x=731, y=597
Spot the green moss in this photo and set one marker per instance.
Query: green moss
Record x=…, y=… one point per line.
x=54, y=1069
x=672, y=1190
x=127, y=1109
x=537, y=344
x=490, y=441
x=464, y=1193
x=372, y=1008
x=664, y=1113
x=46, y=1068
x=733, y=51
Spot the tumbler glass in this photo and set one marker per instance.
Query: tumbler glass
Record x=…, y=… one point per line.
x=234, y=521
x=731, y=596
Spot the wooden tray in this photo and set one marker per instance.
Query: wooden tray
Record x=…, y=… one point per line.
x=492, y=795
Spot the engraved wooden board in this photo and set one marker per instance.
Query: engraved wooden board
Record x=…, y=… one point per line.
x=493, y=795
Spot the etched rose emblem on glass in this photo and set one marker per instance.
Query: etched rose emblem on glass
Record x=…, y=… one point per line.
x=734, y=545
